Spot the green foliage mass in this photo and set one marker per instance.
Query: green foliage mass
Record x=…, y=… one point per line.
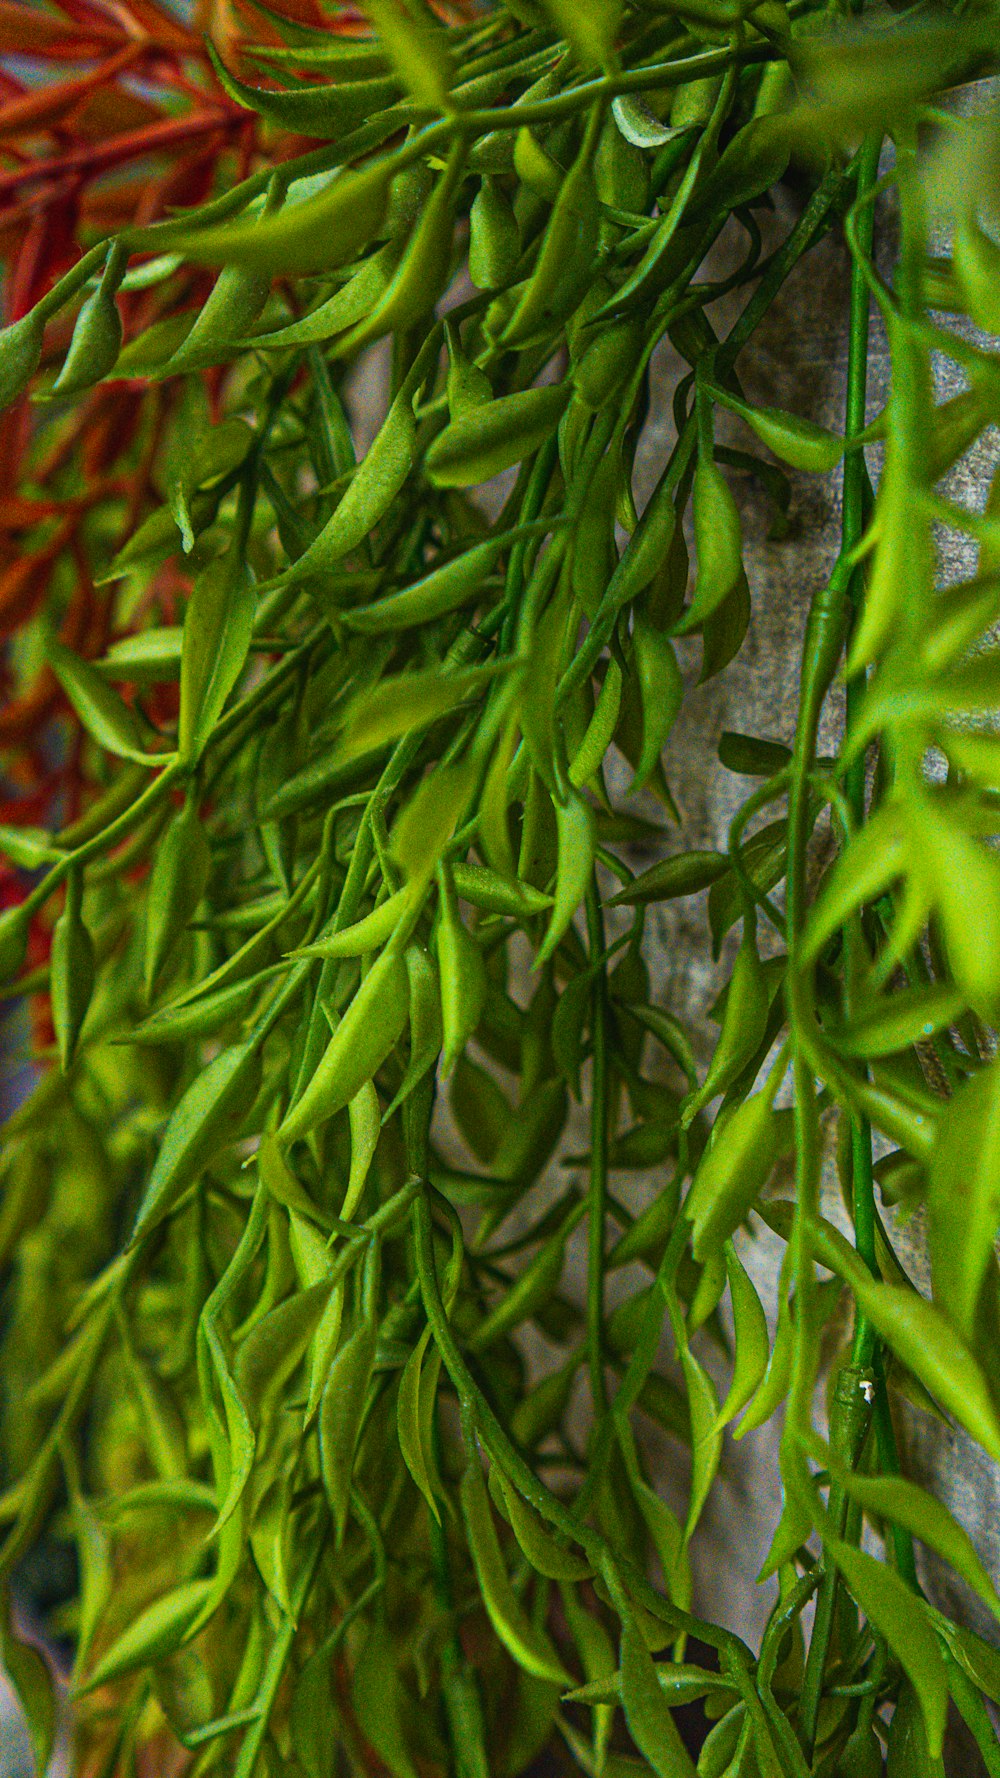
x=264, y=1363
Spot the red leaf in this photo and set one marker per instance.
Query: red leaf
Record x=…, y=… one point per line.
x=111, y=111
x=27, y=30
x=47, y=106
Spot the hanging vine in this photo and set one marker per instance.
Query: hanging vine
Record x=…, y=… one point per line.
x=265, y=1216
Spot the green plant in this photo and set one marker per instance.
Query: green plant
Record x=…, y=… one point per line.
x=263, y=1329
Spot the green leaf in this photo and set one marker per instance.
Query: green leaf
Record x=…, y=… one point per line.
x=276, y=1345
x=199, y=1124
x=744, y=1146
x=744, y=1023
x=156, y=1632
x=866, y=79
x=426, y=1033
x=532, y=1287
x=105, y=716
x=565, y=258
x=312, y=236
x=367, y=1032
x=754, y=160
x=94, y=346
x=313, y=1715
x=203, y=1016
x=462, y=975
x=328, y=110
x=414, y=1408
x=29, y=848
x=236, y=299
x=797, y=441
x=685, y=874
x=724, y=630
x=706, y=1434
x=963, y=1206
x=546, y=1556
x=976, y=260
x=750, y=1336
x=351, y=303
x=484, y=888
x=177, y=884
x=377, y=480
x=751, y=756
x=20, y=354
x=528, y=1645
x=411, y=701
x=150, y=657
x=719, y=543
x=340, y=1417
x=369, y=933
x=922, y=1337
x=600, y=729
x=647, y=1711
x=482, y=443
x=424, y=826
x=661, y=686
x=977, y=1658
x=494, y=241
x=376, y=1694
x=543, y=1407
x=664, y=1528
x=961, y=877
x=569, y=1026
x=907, y=1753
x=897, y=1614
x=902, y=1018
x=218, y=625
x=589, y=26
x=235, y=1458
x=638, y=124
x=94, y=1555
x=873, y=859
x=418, y=51
x=893, y=1497
x=597, y=1658
x=575, y=862
x=31, y=1679
x=445, y=589
x=73, y=970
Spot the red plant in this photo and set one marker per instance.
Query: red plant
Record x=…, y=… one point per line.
x=110, y=114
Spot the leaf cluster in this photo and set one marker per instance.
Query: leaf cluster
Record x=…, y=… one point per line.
x=355, y=917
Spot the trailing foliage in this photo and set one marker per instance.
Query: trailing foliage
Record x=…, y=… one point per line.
x=264, y=1360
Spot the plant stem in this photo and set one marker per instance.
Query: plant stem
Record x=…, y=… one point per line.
x=864, y=1203
x=852, y=525
x=598, y=1151
x=866, y=1350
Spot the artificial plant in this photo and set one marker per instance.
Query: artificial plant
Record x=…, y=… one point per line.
x=109, y=115
x=334, y=948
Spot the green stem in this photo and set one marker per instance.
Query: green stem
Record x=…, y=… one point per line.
x=866, y=1350
x=598, y=1151
x=852, y=524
